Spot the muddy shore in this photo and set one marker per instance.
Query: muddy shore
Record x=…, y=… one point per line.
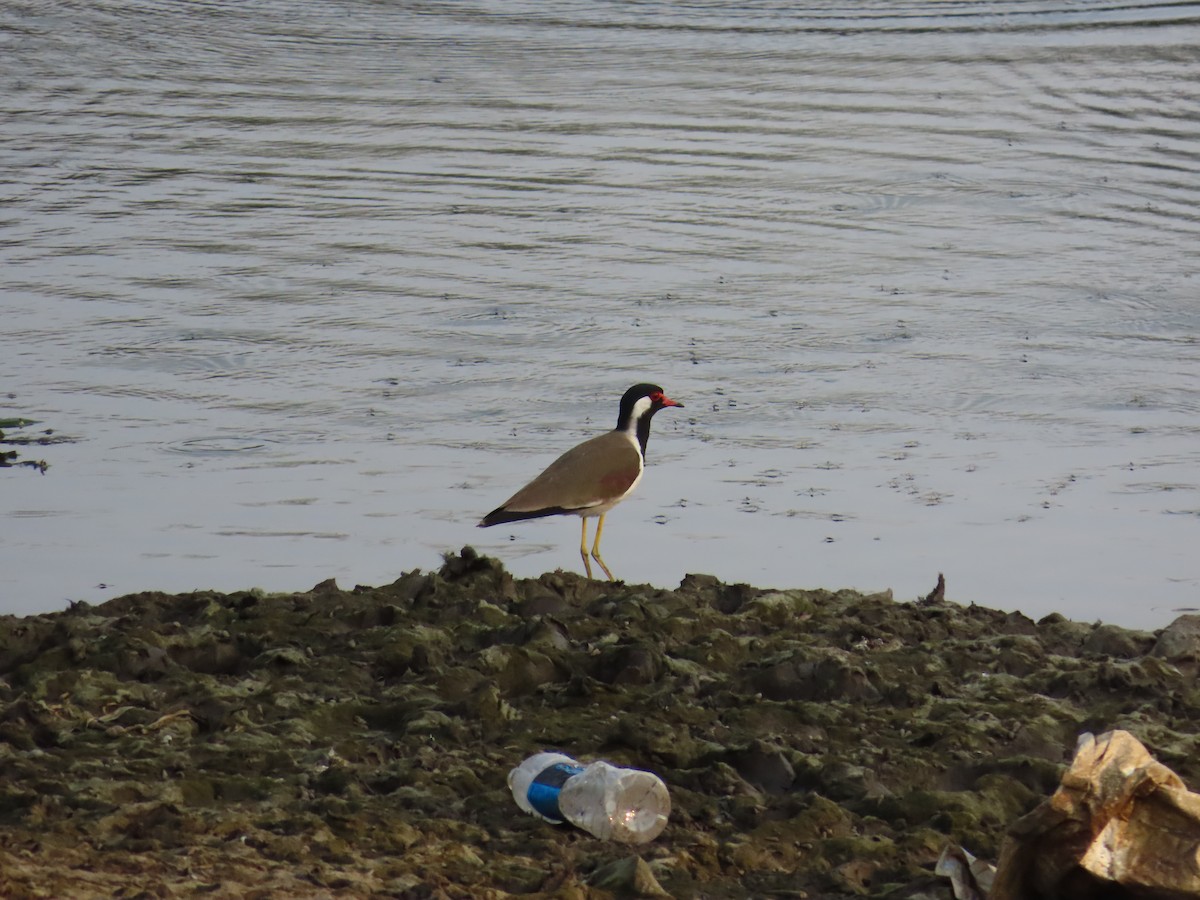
x=355, y=743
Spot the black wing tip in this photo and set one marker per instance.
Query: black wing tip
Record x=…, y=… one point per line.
x=495, y=517
x=502, y=515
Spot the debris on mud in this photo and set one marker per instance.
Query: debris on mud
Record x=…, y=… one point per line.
x=1121, y=826
x=355, y=743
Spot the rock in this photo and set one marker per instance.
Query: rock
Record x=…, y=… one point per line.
x=1118, y=643
x=765, y=767
x=541, y=602
x=820, y=675
x=1018, y=623
x=779, y=609
x=841, y=780
x=519, y=670
x=1179, y=642
x=549, y=636
x=635, y=664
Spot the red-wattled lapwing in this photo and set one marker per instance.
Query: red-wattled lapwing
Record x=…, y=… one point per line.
x=592, y=478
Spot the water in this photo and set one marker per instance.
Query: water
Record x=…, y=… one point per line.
x=314, y=286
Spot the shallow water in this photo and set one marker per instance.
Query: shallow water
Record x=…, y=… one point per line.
x=313, y=286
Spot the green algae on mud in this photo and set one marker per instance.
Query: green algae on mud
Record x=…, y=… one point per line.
x=355, y=743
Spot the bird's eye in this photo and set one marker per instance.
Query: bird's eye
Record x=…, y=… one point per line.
x=655, y=397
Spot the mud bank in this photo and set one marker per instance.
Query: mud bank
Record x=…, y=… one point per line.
x=354, y=743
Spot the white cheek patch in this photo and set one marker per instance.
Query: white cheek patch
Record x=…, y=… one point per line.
x=639, y=409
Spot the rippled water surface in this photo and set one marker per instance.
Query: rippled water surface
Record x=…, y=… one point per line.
x=313, y=286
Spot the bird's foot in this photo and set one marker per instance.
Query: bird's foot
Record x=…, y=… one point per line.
x=600, y=562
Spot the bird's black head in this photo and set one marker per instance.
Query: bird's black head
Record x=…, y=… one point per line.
x=642, y=400
x=638, y=406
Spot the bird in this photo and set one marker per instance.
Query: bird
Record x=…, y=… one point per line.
x=593, y=477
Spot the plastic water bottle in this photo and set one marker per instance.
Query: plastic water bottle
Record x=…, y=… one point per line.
x=609, y=802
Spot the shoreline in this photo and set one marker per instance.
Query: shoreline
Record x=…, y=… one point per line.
x=355, y=743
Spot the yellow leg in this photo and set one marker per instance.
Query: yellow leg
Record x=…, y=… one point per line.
x=596, y=549
x=587, y=564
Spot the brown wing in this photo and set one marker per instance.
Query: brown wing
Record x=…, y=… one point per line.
x=597, y=471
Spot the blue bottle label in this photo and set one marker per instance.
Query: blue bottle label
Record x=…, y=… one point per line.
x=543, y=790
